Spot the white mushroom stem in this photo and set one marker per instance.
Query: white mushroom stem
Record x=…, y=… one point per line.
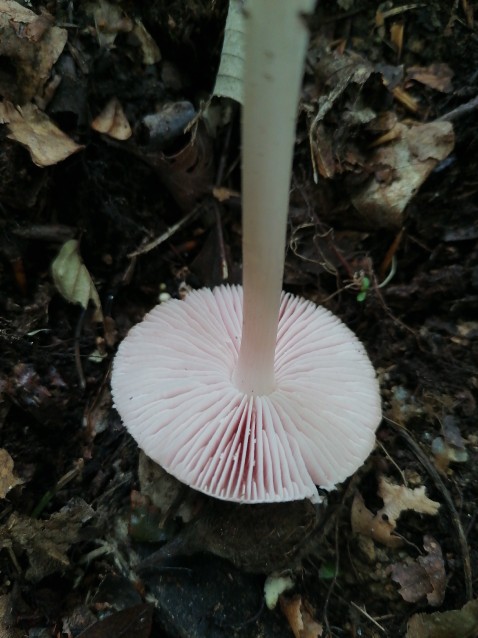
x=276, y=41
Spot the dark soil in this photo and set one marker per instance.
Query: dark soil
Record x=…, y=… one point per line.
x=75, y=534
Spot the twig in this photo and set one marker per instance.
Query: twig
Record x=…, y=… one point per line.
x=220, y=240
x=165, y=236
x=463, y=109
x=384, y=450
x=79, y=367
x=368, y=616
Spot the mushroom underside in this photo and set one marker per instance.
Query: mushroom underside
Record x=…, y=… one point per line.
x=172, y=385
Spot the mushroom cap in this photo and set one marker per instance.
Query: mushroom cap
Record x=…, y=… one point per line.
x=172, y=387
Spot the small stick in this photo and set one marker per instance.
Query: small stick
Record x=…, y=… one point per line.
x=79, y=367
x=463, y=109
x=165, y=236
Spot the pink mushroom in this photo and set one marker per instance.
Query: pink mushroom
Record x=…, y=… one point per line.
x=251, y=394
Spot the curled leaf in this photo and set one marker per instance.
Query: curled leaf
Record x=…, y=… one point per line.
x=8, y=480
x=72, y=279
x=229, y=82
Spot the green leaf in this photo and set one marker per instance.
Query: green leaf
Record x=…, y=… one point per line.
x=229, y=77
x=327, y=571
x=72, y=279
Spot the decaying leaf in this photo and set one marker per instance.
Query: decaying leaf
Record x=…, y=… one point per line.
x=31, y=45
x=72, y=279
x=437, y=76
x=336, y=73
x=299, y=617
x=396, y=499
x=229, y=77
x=31, y=128
x=457, y=623
x=8, y=480
x=112, y=121
x=409, y=160
x=424, y=577
x=46, y=543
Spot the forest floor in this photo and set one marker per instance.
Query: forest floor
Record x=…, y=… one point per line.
x=383, y=231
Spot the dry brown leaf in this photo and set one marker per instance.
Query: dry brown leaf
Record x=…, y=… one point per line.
x=112, y=121
x=457, y=623
x=335, y=73
x=411, y=157
x=424, y=577
x=300, y=618
x=434, y=565
x=8, y=480
x=413, y=580
x=372, y=525
x=32, y=45
x=396, y=499
x=33, y=129
x=437, y=76
x=46, y=542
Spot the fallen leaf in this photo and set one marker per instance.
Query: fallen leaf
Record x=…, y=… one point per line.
x=46, y=542
x=457, y=623
x=410, y=158
x=335, y=74
x=434, y=566
x=396, y=499
x=300, y=618
x=31, y=128
x=72, y=279
x=437, y=76
x=8, y=480
x=424, y=577
x=133, y=622
x=112, y=121
x=229, y=81
x=413, y=580
x=32, y=45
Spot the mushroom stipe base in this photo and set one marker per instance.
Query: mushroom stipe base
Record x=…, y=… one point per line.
x=173, y=387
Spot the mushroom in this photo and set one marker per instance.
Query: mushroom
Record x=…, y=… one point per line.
x=251, y=394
